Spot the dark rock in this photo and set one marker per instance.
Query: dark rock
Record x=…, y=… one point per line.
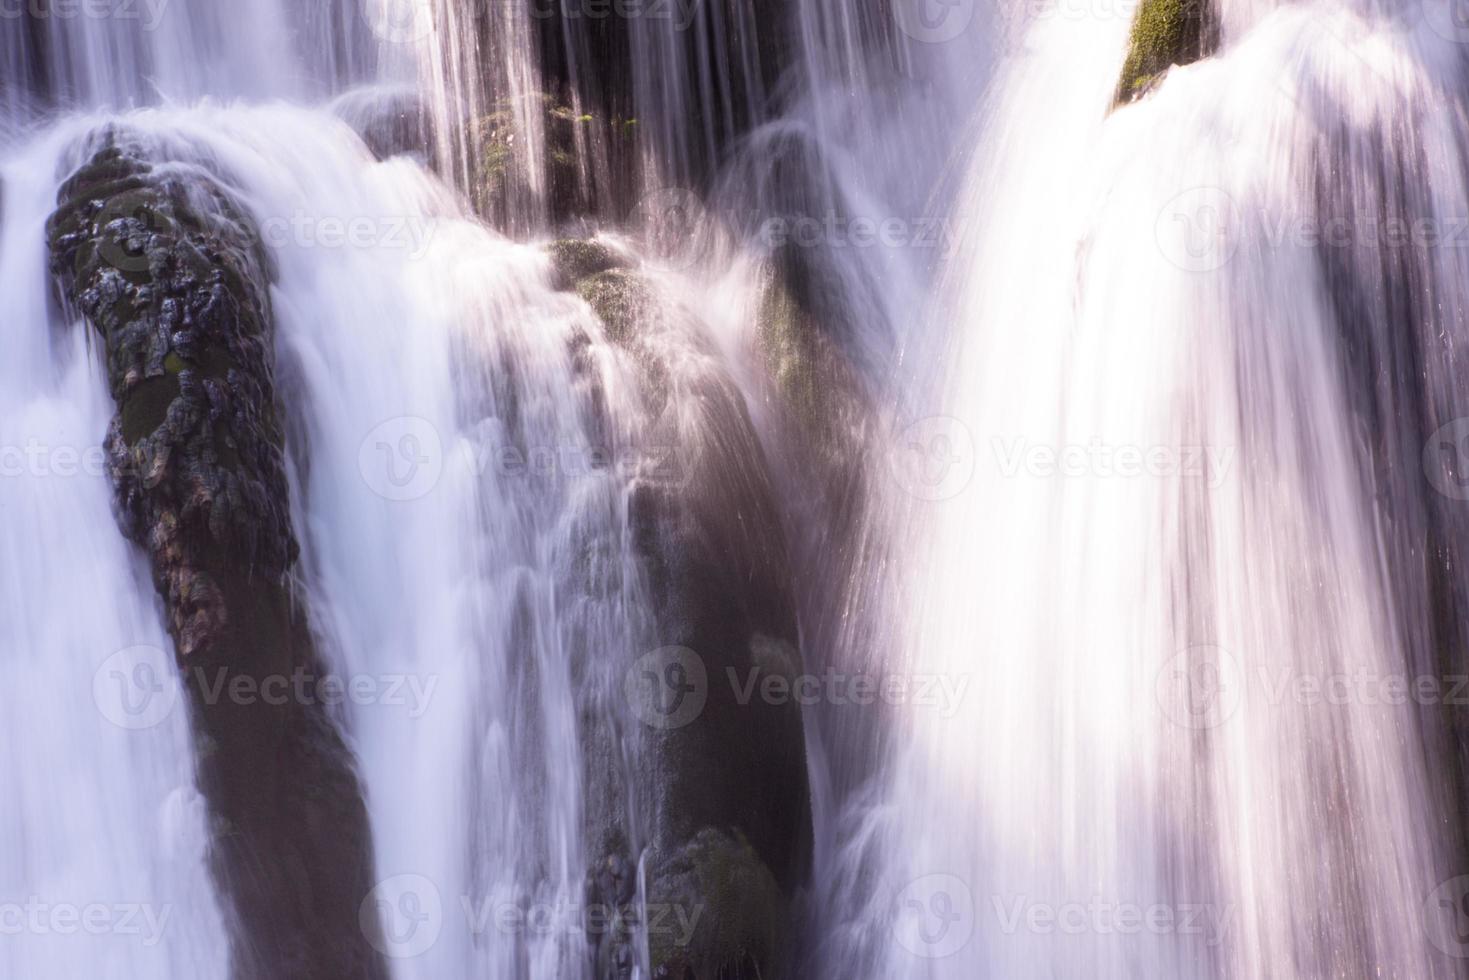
x=588, y=161
x=729, y=792
x=169, y=275
x=392, y=122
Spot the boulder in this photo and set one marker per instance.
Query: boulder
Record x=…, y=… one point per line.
x=169, y=274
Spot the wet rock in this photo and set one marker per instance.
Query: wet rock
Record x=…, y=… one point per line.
x=715, y=911
x=1165, y=33
x=622, y=299
x=392, y=122
x=575, y=259
x=167, y=272
x=729, y=794
x=587, y=161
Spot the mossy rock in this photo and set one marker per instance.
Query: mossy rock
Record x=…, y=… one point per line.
x=171, y=277
x=716, y=912
x=1164, y=33
x=575, y=259
x=622, y=299
x=569, y=177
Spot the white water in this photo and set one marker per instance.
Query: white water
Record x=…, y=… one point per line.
x=102, y=835
x=1134, y=737
x=491, y=610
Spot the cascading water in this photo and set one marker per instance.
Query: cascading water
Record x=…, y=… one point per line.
x=1188, y=573
x=1106, y=421
x=102, y=872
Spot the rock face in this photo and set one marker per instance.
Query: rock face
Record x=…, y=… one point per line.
x=1165, y=33
x=728, y=791
x=168, y=274
x=587, y=161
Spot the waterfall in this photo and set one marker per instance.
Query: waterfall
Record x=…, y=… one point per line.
x=1193, y=379
x=630, y=364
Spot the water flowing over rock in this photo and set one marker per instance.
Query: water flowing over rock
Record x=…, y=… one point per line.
x=728, y=787
x=169, y=274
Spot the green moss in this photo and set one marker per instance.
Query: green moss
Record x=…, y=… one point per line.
x=173, y=364
x=621, y=299
x=724, y=910
x=1164, y=33
x=575, y=259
